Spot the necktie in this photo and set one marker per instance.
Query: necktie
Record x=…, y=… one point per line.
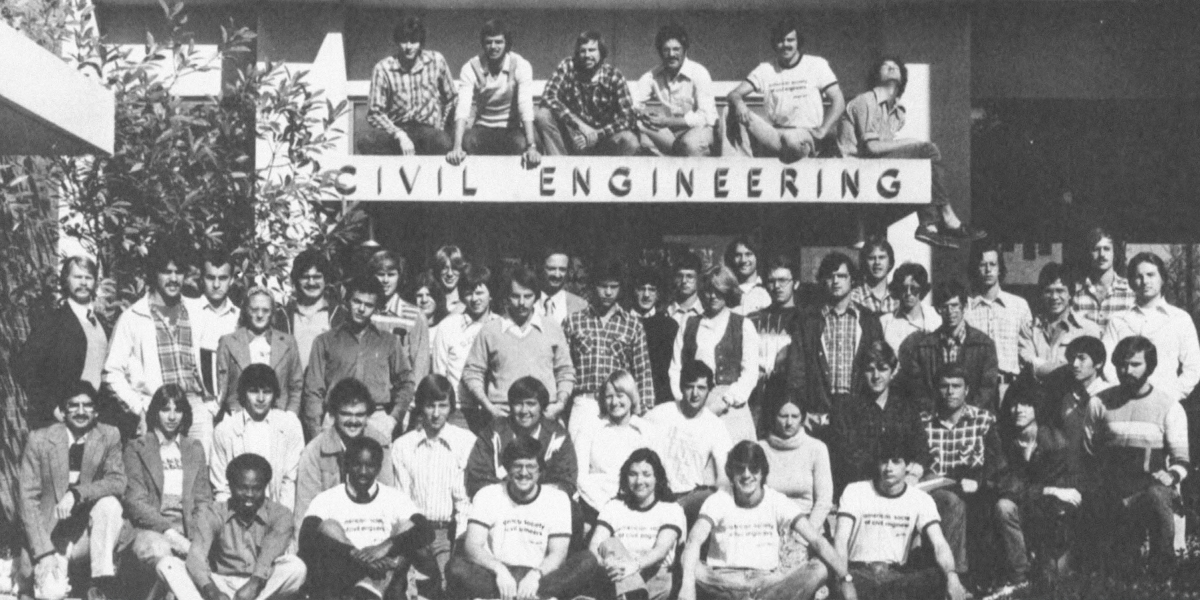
x=550, y=307
x=91, y=317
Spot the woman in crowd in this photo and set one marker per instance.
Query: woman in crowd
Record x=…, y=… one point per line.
x=910, y=284
x=430, y=298
x=640, y=531
x=802, y=472
x=601, y=450
x=448, y=265
x=256, y=342
x=168, y=482
x=261, y=429
x=728, y=343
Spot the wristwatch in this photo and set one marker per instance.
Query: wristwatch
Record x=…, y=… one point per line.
x=847, y=578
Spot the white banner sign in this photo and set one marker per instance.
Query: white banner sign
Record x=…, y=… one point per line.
x=635, y=179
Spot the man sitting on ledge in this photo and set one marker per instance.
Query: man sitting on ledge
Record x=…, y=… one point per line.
x=411, y=93
x=586, y=106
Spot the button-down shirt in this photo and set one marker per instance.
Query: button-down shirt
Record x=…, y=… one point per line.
x=897, y=326
x=222, y=544
x=681, y=313
x=420, y=95
x=840, y=339
x=754, y=296
x=503, y=99
x=688, y=94
x=963, y=450
x=952, y=342
x=452, y=343
x=600, y=346
x=602, y=101
x=1100, y=309
x=373, y=357
x=1174, y=336
x=1001, y=319
x=430, y=470
x=869, y=118
x=554, y=306
x=209, y=324
x=1043, y=343
x=866, y=297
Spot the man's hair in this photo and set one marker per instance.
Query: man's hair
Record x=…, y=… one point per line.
x=174, y=394
x=410, y=29
x=347, y=392
x=892, y=445
x=1148, y=257
x=731, y=249
x=646, y=276
x=309, y=259
x=781, y=261
x=256, y=377
x=621, y=381
x=1089, y=345
x=591, y=35
x=725, y=283
x=364, y=284
x=1133, y=344
x=919, y=276
x=1026, y=390
x=951, y=371
x=784, y=26
x=609, y=270
x=1055, y=272
x=429, y=281
x=662, y=487
x=1096, y=234
x=164, y=253
x=78, y=388
x=495, y=27
x=85, y=262
x=216, y=256
x=434, y=387
x=671, y=31
x=944, y=291
x=747, y=454
x=688, y=262
x=529, y=387
x=978, y=249
x=385, y=259
x=524, y=277
x=523, y=447
x=834, y=260
x=691, y=371
x=876, y=244
x=873, y=78
x=248, y=462
x=878, y=352
x=449, y=255
x=472, y=277
x=357, y=445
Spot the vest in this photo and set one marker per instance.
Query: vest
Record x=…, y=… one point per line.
x=727, y=354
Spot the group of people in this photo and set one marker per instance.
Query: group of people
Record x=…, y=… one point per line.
x=722, y=442
x=588, y=107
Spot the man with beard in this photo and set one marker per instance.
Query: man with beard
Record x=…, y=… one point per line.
x=1138, y=434
x=683, y=125
x=586, y=107
x=310, y=312
x=71, y=479
x=556, y=301
x=660, y=331
x=741, y=256
x=239, y=549
x=875, y=260
x=499, y=83
x=412, y=93
x=69, y=345
x=1043, y=342
x=1103, y=293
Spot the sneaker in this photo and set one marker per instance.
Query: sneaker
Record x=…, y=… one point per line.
x=965, y=233
x=1008, y=589
x=930, y=235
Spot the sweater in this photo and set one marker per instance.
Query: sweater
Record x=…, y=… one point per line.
x=800, y=470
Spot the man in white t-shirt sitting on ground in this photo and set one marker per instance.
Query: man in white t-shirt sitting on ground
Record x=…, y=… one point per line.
x=518, y=536
x=359, y=538
x=876, y=525
x=794, y=88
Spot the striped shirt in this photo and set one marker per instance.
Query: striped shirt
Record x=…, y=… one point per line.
x=430, y=471
x=599, y=347
x=422, y=95
x=602, y=101
x=501, y=100
x=1142, y=435
x=1001, y=319
x=1092, y=303
x=840, y=339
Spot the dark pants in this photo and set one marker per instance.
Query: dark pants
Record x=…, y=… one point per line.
x=1137, y=506
x=579, y=574
x=937, y=175
x=881, y=581
x=426, y=139
x=952, y=508
x=494, y=141
x=1043, y=525
x=332, y=570
x=554, y=135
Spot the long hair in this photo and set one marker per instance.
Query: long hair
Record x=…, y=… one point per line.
x=174, y=394
x=662, y=487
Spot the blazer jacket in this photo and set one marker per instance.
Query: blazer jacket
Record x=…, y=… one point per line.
x=921, y=358
x=807, y=364
x=143, y=495
x=233, y=356
x=45, y=475
x=51, y=360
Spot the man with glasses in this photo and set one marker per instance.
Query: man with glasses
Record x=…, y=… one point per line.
x=923, y=355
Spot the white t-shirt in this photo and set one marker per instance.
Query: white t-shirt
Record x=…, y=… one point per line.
x=688, y=445
x=366, y=523
x=751, y=537
x=792, y=96
x=518, y=534
x=638, y=529
x=884, y=527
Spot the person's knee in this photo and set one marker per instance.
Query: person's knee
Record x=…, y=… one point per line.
x=544, y=117
x=624, y=143
x=949, y=504
x=470, y=142
x=291, y=571
x=694, y=143
x=1007, y=511
x=150, y=547
x=106, y=510
x=930, y=150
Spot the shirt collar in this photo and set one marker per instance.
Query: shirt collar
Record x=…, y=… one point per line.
x=959, y=334
x=81, y=310
x=226, y=307
x=261, y=515
x=163, y=442
x=646, y=315
x=686, y=71
x=534, y=321
x=676, y=308
x=999, y=301
x=618, y=312
x=1158, y=304
x=827, y=310
x=423, y=58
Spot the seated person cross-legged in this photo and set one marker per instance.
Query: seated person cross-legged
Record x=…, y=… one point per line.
x=879, y=519
x=744, y=531
x=359, y=538
x=518, y=537
x=586, y=106
x=639, y=532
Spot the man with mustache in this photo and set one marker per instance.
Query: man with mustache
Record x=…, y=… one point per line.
x=69, y=345
x=556, y=301
x=412, y=92
x=683, y=123
x=586, y=107
x=1042, y=344
x=154, y=343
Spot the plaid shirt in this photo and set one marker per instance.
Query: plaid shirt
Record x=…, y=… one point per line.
x=175, y=350
x=968, y=449
x=952, y=343
x=1090, y=304
x=1001, y=319
x=840, y=339
x=423, y=95
x=603, y=102
x=598, y=348
x=864, y=297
